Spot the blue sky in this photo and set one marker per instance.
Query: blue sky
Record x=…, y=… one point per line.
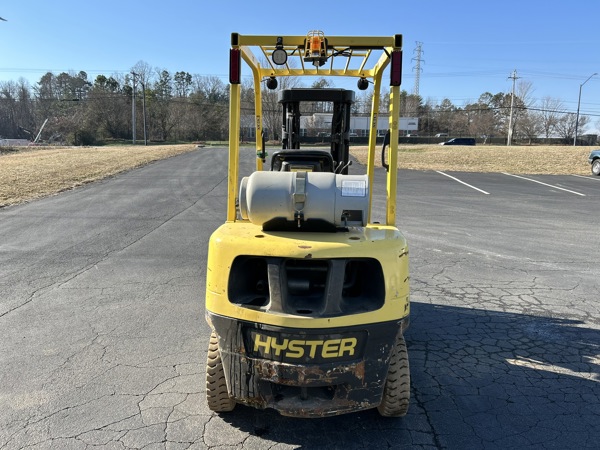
x=469, y=47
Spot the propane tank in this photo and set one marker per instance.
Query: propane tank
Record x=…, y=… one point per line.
x=337, y=199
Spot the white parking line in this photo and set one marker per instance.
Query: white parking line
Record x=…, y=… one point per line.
x=462, y=182
x=545, y=184
x=587, y=178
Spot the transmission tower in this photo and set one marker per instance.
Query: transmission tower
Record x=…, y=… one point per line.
x=417, y=68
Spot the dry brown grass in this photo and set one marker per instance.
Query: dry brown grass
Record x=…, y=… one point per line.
x=558, y=160
x=35, y=173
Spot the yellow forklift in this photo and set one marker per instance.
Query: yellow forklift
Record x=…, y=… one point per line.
x=306, y=296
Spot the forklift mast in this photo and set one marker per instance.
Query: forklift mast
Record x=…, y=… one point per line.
x=341, y=100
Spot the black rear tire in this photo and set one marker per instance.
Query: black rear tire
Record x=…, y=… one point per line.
x=217, y=396
x=596, y=167
x=396, y=393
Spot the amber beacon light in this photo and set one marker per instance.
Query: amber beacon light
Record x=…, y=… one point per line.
x=315, y=50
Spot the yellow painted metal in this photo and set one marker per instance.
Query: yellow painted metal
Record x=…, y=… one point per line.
x=358, y=47
x=386, y=244
x=373, y=136
x=257, y=79
x=234, y=149
x=320, y=72
x=392, y=176
x=362, y=65
x=258, y=121
x=364, y=42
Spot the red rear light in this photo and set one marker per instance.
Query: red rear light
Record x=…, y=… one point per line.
x=235, y=66
x=396, y=69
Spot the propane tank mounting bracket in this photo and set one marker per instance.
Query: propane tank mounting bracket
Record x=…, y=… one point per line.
x=299, y=197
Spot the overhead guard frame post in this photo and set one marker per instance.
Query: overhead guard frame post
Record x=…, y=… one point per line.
x=360, y=47
x=392, y=173
x=234, y=150
x=373, y=135
x=254, y=65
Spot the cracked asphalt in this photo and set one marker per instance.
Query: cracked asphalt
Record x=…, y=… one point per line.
x=103, y=339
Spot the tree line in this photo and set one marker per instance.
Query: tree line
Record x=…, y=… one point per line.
x=490, y=116
x=80, y=111
x=183, y=107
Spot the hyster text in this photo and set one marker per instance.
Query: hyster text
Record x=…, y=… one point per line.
x=296, y=348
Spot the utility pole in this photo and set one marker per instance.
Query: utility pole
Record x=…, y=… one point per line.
x=144, y=111
x=417, y=67
x=133, y=108
x=514, y=77
x=143, y=106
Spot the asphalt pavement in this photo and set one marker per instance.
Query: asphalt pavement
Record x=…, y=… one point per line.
x=103, y=338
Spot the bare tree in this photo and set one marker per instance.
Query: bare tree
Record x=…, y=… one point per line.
x=443, y=115
x=525, y=91
x=523, y=100
x=411, y=105
x=26, y=107
x=315, y=124
x=8, y=105
x=565, y=127
x=143, y=71
x=549, y=114
x=210, y=97
x=272, y=111
x=482, y=119
x=530, y=125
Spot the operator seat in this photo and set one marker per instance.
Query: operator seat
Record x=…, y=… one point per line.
x=302, y=160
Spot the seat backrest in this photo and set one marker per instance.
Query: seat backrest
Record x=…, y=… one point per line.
x=302, y=160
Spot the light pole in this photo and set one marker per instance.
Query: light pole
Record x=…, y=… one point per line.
x=578, y=105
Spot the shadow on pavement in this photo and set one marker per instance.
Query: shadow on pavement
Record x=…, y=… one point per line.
x=480, y=379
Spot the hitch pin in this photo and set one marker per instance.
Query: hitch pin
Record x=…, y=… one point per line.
x=298, y=216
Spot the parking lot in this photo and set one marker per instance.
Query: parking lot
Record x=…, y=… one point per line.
x=104, y=339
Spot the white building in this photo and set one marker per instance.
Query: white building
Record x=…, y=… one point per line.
x=359, y=125
x=321, y=123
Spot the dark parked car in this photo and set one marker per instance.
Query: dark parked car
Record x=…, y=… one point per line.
x=459, y=141
x=594, y=160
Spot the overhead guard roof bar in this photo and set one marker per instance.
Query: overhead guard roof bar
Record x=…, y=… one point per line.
x=352, y=46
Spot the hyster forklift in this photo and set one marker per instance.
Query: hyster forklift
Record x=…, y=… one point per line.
x=307, y=296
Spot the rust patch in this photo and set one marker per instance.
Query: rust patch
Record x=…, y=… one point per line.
x=360, y=370
x=305, y=375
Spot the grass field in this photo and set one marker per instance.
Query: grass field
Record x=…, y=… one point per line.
x=30, y=174
x=34, y=173
x=559, y=160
